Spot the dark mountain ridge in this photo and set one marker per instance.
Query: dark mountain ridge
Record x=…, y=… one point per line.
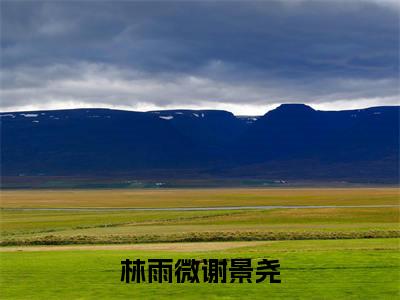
x=291, y=141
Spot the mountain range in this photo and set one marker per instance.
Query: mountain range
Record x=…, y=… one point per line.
x=293, y=141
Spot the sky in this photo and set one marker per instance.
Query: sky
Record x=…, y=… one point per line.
x=243, y=56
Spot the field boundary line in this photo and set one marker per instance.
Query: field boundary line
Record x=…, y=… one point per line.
x=209, y=208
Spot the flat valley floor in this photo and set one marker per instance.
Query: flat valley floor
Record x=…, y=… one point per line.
x=332, y=243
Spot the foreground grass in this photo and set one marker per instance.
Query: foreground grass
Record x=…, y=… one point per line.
x=199, y=197
x=344, y=269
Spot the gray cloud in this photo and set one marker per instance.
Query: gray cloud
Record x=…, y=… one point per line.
x=243, y=56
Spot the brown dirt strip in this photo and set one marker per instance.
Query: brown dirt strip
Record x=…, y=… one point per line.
x=178, y=247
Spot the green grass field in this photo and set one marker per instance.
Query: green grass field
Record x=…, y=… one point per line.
x=325, y=253
x=334, y=269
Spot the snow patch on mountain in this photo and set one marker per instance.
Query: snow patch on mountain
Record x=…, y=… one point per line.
x=29, y=115
x=166, y=117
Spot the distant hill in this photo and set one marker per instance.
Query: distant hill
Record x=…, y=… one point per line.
x=293, y=141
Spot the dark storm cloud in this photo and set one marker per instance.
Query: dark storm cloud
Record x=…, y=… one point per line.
x=146, y=54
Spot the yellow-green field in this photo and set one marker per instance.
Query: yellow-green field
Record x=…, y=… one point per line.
x=24, y=227
x=199, y=197
x=72, y=227
x=326, y=253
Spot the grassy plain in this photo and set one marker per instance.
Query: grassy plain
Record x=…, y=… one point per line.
x=77, y=227
x=325, y=253
x=20, y=227
x=324, y=269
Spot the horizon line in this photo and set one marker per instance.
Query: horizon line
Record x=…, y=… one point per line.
x=188, y=109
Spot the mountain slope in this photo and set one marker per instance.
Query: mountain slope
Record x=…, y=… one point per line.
x=292, y=141
x=82, y=141
x=296, y=131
